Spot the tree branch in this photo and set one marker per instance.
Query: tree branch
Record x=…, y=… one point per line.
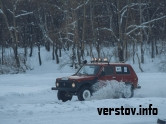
x=145, y=23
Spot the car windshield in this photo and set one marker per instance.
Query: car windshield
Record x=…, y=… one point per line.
x=88, y=70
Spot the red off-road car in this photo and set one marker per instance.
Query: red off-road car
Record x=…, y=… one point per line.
x=82, y=82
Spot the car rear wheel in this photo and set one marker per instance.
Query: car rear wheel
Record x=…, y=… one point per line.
x=62, y=95
x=128, y=91
x=84, y=94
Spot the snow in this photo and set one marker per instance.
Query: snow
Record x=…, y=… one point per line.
x=27, y=98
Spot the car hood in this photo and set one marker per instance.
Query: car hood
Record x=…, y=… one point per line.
x=78, y=78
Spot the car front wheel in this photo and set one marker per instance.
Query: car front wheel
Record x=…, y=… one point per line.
x=84, y=94
x=62, y=95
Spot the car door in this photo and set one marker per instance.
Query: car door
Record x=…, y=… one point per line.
x=119, y=73
x=122, y=73
x=108, y=73
x=127, y=77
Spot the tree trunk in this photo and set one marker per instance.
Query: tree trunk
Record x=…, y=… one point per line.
x=15, y=49
x=91, y=52
x=40, y=62
x=73, y=55
x=152, y=47
x=47, y=46
x=60, y=52
x=92, y=28
x=76, y=43
x=139, y=63
x=126, y=50
x=16, y=42
x=83, y=32
x=56, y=54
x=156, y=47
x=120, y=54
x=25, y=55
x=120, y=40
x=78, y=56
x=2, y=61
x=25, y=51
x=141, y=33
x=53, y=51
x=31, y=49
x=125, y=36
x=98, y=49
x=142, y=53
x=68, y=46
x=133, y=52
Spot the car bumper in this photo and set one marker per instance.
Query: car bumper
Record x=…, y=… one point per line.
x=64, y=89
x=54, y=88
x=138, y=87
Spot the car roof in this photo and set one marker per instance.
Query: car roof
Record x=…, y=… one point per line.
x=108, y=63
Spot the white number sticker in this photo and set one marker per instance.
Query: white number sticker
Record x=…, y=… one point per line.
x=118, y=69
x=125, y=69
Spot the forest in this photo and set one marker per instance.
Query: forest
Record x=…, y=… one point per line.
x=131, y=29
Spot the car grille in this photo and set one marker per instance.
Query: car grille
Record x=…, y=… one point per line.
x=64, y=84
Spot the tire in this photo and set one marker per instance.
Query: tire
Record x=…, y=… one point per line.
x=62, y=95
x=84, y=94
x=128, y=91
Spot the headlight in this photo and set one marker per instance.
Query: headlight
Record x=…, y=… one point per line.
x=73, y=84
x=57, y=84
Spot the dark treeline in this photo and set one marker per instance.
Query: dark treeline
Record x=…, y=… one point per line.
x=74, y=25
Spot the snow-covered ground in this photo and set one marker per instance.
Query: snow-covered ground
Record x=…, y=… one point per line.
x=28, y=99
